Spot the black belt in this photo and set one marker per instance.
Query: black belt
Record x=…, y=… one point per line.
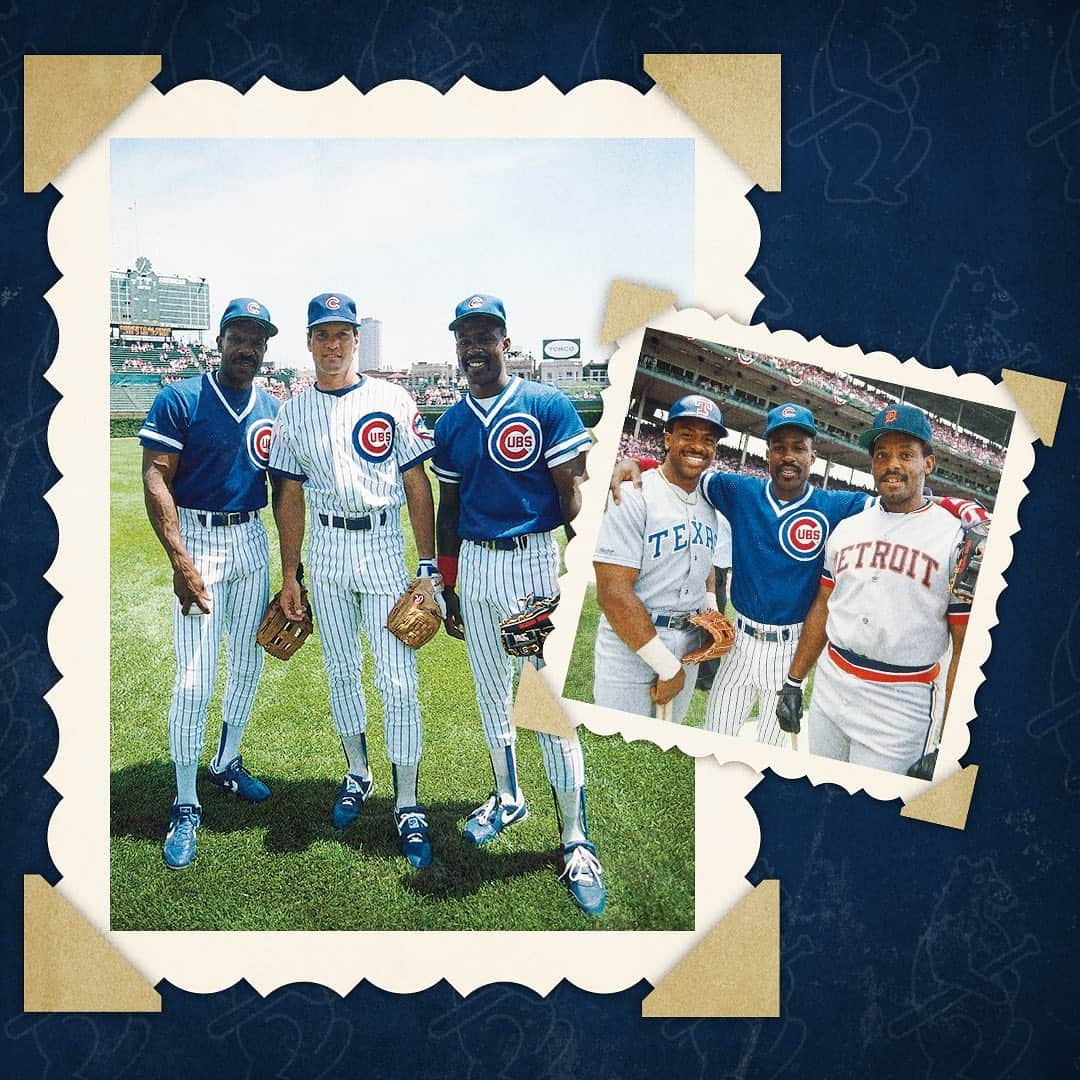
x=673, y=622
x=356, y=524
x=234, y=517
x=505, y=543
x=774, y=636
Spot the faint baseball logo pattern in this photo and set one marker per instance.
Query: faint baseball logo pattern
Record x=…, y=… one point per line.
x=864, y=93
x=11, y=80
x=656, y=30
x=1062, y=126
x=1062, y=718
x=295, y=1032
x=87, y=1047
x=775, y=304
x=410, y=42
x=508, y=1035
x=965, y=978
x=966, y=332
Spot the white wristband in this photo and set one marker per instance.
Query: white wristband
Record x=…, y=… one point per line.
x=660, y=658
x=710, y=603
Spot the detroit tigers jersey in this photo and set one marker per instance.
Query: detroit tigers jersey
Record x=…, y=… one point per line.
x=349, y=447
x=665, y=534
x=777, y=548
x=889, y=575
x=502, y=456
x=222, y=437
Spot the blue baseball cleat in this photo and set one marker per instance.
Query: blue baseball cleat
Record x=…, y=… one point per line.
x=239, y=781
x=487, y=821
x=179, y=849
x=583, y=875
x=352, y=795
x=412, y=827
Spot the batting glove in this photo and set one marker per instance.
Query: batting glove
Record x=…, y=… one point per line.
x=789, y=707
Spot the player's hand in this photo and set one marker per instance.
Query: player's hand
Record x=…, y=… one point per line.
x=454, y=626
x=789, y=708
x=667, y=690
x=626, y=469
x=290, y=599
x=190, y=589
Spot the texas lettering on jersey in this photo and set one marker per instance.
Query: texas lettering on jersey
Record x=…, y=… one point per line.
x=679, y=538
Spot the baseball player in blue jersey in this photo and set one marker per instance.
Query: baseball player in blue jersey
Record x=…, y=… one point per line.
x=509, y=458
x=654, y=570
x=354, y=447
x=206, y=444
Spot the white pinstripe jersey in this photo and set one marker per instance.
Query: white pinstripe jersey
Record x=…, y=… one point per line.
x=349, y=447
x=889, y=575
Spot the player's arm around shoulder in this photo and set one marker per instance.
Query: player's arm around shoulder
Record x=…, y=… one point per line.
x=289, y=508
x=421, y=505
x=448, y=543
x=158, y=470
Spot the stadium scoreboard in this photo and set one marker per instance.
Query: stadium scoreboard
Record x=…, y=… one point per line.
x=141, y=299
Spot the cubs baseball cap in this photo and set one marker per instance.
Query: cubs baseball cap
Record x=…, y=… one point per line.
x=696, y=407
x=244, y=307
x=331, y=307
x=790, y=415
x=479, y=304
x=909, y=419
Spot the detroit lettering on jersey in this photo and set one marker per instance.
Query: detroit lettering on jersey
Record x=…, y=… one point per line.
x=349, y=447
x=502, y=456
x=777, y=548
x=223, y=439
x=897, y=558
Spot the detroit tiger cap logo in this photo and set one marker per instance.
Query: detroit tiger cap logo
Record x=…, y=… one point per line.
x=890, y=417
x=254, y=307
x=333, y=303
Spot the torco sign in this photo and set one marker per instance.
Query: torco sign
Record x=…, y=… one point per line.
x=562, y=349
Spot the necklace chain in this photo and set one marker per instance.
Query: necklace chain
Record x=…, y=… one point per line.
x=688, y=499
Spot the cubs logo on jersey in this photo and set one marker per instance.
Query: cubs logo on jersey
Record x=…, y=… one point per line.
x=515, y=442
x=803, y=534
x=373, y=436
x=257, y=441
x=420, y=428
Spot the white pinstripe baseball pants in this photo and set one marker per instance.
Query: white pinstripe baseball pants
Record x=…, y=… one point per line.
x=752, y=672
x=355, y=579
x=492, y=584
x=233, y=561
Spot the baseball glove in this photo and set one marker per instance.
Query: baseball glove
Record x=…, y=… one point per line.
x=524, y=634
x=721, y=638
x=416, y=617
x=279, y=635
x=969, y=556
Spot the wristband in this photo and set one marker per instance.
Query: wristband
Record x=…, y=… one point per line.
x=426, y=568
x=660, y=658
x=447, y=565
x=792, y=681
x=710, y=603
x=647, y=462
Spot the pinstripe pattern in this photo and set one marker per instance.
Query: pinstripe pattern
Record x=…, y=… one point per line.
x=233, y=562
x=752, y=672
x=492, y=584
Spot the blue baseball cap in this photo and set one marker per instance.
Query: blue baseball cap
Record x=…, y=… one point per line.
x=908, y=419
x=479, y=304
x=244, y=307
x=790, y=415
x=331, y=307
x=696, y=407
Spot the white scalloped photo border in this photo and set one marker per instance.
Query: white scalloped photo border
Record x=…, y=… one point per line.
x=726, y=243
x=971, y=386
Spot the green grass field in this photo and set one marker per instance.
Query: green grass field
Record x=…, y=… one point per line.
x=281, y=866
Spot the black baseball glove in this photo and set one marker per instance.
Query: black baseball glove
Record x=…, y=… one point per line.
x=789, y=708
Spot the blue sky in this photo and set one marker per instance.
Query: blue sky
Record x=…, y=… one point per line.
x=410, y=227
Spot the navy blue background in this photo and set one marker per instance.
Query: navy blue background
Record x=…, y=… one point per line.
x=964, y=259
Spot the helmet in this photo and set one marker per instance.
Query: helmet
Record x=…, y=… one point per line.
x=696, y=407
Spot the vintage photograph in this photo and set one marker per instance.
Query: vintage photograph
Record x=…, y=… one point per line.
x=789, y=554
x=348, y=425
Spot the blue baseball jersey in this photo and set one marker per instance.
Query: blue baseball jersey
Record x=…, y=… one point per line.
x=501, y=457
x=777, y=548
x=222, y=437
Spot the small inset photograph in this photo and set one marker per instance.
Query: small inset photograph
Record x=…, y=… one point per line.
x=789, y=554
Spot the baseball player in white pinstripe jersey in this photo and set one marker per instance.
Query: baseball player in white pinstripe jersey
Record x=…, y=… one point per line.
x=356, y=447
x=509, y=458
x=206, y=446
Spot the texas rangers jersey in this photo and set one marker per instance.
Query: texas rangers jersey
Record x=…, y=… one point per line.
x=501, y=456
x=777, y=548
x=349, y=447
x=222, y=437
x=889, y=575
x=666, y=534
